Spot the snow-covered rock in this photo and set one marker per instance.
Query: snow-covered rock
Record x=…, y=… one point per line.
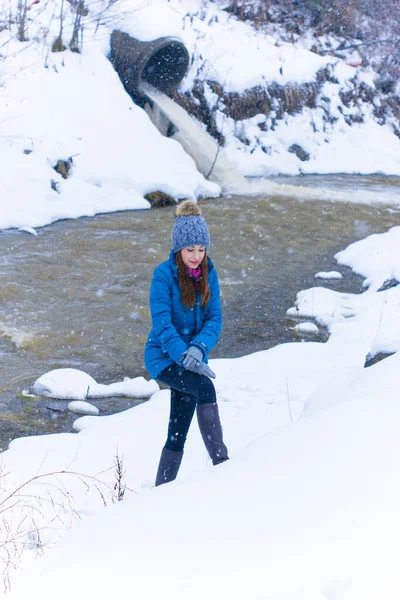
x=30, y=230
x=328, y=275
x=83, y=408
x=306, y=328
x=73, y=384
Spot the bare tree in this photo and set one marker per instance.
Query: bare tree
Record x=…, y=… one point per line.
x=58, y=44
x=81, y=11
x=22, y=9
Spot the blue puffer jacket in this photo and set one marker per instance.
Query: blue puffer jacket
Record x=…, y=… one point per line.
x=175, y=327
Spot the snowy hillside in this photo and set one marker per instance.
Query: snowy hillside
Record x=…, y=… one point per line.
x=288, y=107
x=71, y=107
x=74, y=143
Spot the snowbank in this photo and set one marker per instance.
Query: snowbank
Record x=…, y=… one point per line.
x=73, y=384
x=312, y=488
x=337, y=137
x=73, y=107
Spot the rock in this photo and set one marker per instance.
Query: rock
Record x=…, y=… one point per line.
x=63, y=167
x=299, y=152
x=250, y=103
x=55, y=186
x=373, y=360
x=386, y=84
x=160, y=199
x=67, y=384
x=388, y=284
x=306, y=328
x=58, y=45
x=57, y=407
x=195, y=103
x=73, y=384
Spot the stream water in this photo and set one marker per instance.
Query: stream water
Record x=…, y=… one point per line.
x=77, y=294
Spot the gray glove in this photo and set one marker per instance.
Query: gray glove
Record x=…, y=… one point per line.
x=192, y=358
x=204, y=369
x=193, y=361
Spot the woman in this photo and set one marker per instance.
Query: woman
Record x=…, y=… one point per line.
x=186, y=324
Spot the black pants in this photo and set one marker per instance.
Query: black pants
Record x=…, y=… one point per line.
x=188, y=389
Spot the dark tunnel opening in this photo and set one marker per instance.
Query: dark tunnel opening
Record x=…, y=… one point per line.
x=161, y=63
x=166, y=68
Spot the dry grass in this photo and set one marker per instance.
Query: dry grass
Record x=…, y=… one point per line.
x=42, y=507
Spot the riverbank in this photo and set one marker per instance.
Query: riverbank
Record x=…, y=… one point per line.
x=312, y=487
x=96, y=272
x=75, y=144
x=308, y=506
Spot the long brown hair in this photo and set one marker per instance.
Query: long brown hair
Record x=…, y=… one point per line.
x=188, y=293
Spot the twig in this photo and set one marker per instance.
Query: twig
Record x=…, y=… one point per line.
x=217, y=153
x=214, y=161
x=17, y=380
x=288, y=400
x=370, y=43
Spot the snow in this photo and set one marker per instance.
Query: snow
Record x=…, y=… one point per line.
x=28, y=230
x=67, y=384
x=55, y=109
x=382, y=264
x=328, y=275
x=240, y=60
x=227, y=52
x=147, y=21
x=308, y=506
x=54, y=106
x=340, y=149
x=312, y=488
x=306, y=327
x=84, y=408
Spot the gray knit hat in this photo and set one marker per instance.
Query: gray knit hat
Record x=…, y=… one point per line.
x=190, y=228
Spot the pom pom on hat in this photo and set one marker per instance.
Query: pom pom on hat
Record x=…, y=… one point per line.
x=190, y=228
x=187, y=209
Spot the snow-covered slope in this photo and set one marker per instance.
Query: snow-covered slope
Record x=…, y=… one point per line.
x=72, y=107
x=309, y=511
x=307, y=507
x=280, y=107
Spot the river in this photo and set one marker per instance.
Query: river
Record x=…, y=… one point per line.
x=77, y=294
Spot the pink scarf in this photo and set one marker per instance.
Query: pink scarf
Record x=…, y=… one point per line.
x=195, y=275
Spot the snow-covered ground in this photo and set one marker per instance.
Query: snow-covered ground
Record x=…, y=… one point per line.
x=308, y=506
x=77, y=108
x=230, y=53
x=62, y=106
x=306, y=509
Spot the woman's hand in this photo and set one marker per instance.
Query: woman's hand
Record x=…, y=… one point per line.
x=192, y=358
x=193, y=361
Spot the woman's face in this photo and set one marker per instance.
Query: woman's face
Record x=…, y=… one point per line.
x=193, y=255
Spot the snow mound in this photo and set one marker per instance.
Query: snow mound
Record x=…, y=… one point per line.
x=306, y=328
x=73, y=384
x=376, y=258
x=328, y=275
x=83, y=408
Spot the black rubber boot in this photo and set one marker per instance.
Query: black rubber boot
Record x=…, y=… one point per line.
x=211, y=432
x=169, y=466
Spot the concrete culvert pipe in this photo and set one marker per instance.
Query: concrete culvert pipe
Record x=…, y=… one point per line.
x=162, y=63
